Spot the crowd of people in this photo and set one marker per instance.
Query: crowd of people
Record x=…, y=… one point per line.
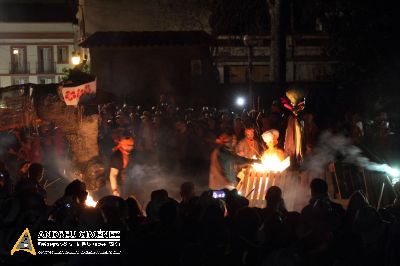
x=181, y=138
x=189, y=134
x=199, y=229
x=183, y=141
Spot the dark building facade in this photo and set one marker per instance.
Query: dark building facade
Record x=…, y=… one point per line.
x=139, y=66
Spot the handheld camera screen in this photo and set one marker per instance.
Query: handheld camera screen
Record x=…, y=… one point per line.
x=218, y=194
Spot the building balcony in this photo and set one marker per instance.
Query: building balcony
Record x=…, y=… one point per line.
x=16, y=68
x=46, y=67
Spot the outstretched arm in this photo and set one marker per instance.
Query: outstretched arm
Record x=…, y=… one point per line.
x=243, y=160
x=113, y=181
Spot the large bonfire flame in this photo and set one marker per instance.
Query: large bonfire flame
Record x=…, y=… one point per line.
x=272, y=162
x=255, y=181
x=90, y=201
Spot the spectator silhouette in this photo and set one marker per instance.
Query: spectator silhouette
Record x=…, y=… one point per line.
x=321, y=224
x=357, y=202
x=135, y=215
x=245, y=246
x=114, y=212
x=67, y=210
x=372, y=232
x=158, y=198
x=32, y=184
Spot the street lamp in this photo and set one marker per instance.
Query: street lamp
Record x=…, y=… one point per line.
x=240, y=101
x=250, y=41
x=76, y=58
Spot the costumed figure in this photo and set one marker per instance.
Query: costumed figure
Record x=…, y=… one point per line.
x=270, y=139
x=248, y=147
x=119, y=164
x=222, y=165
x=294, y=131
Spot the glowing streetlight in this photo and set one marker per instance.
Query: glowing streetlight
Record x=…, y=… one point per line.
x=76, y=58
x=240, y=101
x=15, y=51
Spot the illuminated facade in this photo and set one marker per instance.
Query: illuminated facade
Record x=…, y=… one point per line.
x=34, y=52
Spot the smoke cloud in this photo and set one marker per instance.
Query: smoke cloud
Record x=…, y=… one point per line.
x=330, y=146
x=143, y=179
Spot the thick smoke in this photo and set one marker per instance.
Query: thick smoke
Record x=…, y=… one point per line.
x=143, y=179
x=332, y=145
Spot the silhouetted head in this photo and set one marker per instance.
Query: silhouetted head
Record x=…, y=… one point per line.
x=134, y=208
x=77, y=190
x=318, y=187
x=273, y=195
x=36, y=171
x=113, y=209
x=187, y=191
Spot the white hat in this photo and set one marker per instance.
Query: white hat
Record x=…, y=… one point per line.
x=270, y=135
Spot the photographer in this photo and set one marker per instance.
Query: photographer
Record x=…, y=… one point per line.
x=67, y=210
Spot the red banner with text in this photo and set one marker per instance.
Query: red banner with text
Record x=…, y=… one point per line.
x=72, y=95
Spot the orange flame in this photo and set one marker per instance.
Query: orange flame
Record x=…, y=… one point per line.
x=271, y=162
x=90, y=202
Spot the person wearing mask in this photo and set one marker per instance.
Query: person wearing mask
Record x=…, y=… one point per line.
x=119, y=163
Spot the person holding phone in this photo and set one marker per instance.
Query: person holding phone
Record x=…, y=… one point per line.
x=222, y=164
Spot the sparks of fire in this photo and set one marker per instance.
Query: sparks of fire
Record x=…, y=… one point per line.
x=90, y=201
x=270, y=162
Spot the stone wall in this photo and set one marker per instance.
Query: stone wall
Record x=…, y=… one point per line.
x=80, y=131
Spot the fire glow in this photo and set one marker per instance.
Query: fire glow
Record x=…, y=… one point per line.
x=256, y=179
x=270, y=162
x=90, y=201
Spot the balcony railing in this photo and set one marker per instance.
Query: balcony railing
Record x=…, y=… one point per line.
x=46, y=67
x=16, y=68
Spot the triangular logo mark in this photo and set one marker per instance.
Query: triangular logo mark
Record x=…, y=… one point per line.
x=24, y=243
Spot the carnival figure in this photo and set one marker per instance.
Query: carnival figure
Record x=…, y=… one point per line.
x=270, y=139
x=223, y=161
x=294, y=131
x=248, y=147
